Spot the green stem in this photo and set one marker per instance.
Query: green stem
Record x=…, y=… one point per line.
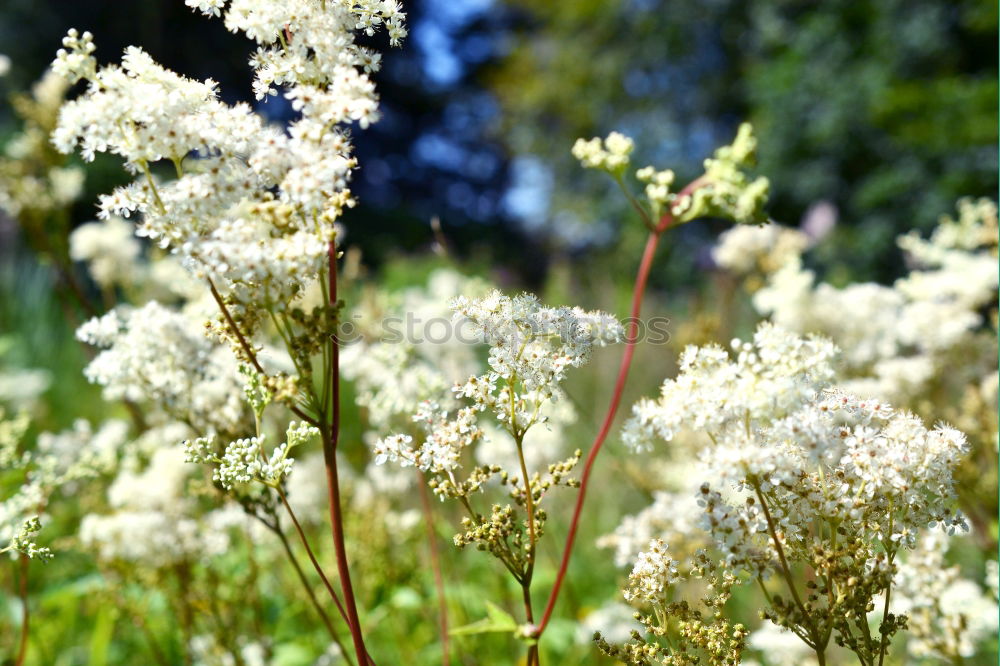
x=152, y=186
x=425, y=503
x=533, y=658
x=22, y=650
x=786, y=571
x=312, y=595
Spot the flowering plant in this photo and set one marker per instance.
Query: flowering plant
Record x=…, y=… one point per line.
x=793, y=474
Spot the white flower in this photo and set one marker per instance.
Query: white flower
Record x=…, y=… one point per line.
x=672, y=518
x=898, y=339
x=653, y=573
x=615, y=621
x=533, y=344
x=153, y=522
x=445, y=439
x=744, y=248
x=402, y=359
x=770, y=377
x=80, y=451
x=777, y=437
x=110, y=248
x=612, y=156
x=948, y=616
x=162, y=357
x=245, y=460
x=252, y=208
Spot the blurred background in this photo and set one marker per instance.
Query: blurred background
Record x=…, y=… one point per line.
x=882, y=112
x=873, y=118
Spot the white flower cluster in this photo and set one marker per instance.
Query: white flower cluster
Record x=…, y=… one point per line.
x=58, y=462
x=780, y=647
x=23, y=540
x=948, y=615
x=401, y=363
x=245, y=460
x=727, y=191
x=445, y=438
x=81, y=452
x=848, y=460
x=747, y=249
x=21, y=387
x=154, y=521
x=115, y=259
x=19, y=522
x=794, y=468
x=161, y=357
x=611, y=154
x=614, y=620
x=724, y=190
x=255, y=213
x=657, y=185
x=207, y=649
x=671, y=518
x=110, y=249
x=531, y=347
x=773, y=430
x=654, y=572
x=541, y=445
x=769, y=378
x=899, y=339
x=35, y=183
x=307, y=40
x=392, y=379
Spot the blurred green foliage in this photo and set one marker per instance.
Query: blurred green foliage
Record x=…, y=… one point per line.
x=887, y=109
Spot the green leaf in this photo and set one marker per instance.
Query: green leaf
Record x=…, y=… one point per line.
x=497, y=620
x=100, y=639
x=292, y=654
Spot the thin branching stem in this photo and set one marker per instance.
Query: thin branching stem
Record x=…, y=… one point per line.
x=786, y=571
x=312, y=595
x=529, y=568
x=631, y=339
x=22, y=648
x=435, y=558
x=312, y=557
x=247, y=349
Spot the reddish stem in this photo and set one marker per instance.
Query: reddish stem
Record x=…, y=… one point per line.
x=312, y=556
x=330, y=442
x=642, y=277
x=425, y=501
x=616, y=397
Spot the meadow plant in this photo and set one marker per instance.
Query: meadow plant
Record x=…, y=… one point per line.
x=809, y=492
x=928, y=341
x=250, y=212
x=790, y=480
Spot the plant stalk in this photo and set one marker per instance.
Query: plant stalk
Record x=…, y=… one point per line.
x=330, y=432
x=22, y=649
x=631, y=339
x=425, y=502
